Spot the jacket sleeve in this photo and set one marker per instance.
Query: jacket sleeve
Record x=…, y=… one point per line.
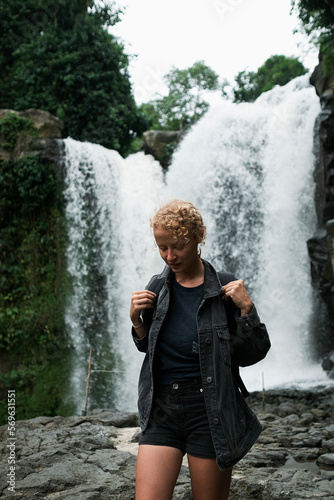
x=249, y=338
x=147, y=315
x=142, y=344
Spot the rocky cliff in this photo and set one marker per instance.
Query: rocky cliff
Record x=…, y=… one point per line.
x=321, y=245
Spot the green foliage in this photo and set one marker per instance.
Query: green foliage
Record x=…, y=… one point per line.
x=277, y=70
x=152, y=114
x=40, y=389
x=164, y=157
x=315, y=14
x=15, y=129
x=33, y=281
x=29, y=251
x=317, y=19
x=184, y=104
x=60, y=57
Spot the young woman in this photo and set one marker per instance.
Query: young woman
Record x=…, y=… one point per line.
x=196, y=327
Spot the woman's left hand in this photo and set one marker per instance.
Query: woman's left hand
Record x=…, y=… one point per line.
x=236, y=290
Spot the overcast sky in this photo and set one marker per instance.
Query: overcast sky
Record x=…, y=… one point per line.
x=229, y=35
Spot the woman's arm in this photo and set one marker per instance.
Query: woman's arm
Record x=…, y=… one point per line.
x=141, y=303
x=249, y=337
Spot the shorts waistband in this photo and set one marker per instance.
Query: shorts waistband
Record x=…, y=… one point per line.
x=180, y=385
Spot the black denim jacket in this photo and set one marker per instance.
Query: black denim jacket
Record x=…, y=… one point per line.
x=223, y=346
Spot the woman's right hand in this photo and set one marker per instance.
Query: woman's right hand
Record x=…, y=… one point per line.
x=142, y=299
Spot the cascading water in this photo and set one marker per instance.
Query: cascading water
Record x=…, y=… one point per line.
x=257, y=194
x=249, y=169
x=107, y=201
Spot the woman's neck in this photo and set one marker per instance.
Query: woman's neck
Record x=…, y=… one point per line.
x=192, y=278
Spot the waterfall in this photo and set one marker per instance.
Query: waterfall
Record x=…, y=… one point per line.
x=108, y=203
x=249, y=168
x=256, y=192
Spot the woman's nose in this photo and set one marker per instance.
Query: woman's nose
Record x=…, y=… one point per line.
x=170, y=255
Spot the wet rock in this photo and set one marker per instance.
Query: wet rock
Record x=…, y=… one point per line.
x=326, y=459
x=115, y=418
x=285, y=409
x=285, y=461
x=135, y=438
x=319, y=246
x=328, y=446
x=73, y=458
x=93, y=457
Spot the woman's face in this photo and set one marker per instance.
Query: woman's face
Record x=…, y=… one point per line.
x=180, y=255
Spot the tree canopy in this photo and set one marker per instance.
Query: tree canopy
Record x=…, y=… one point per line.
x=315, y=14
x=59, y=56
x=184, y=104
x=277, y=70
x=317, y=18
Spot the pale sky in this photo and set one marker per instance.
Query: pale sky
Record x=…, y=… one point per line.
x=228, y=35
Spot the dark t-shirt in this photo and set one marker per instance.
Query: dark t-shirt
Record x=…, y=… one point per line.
x=178, y=352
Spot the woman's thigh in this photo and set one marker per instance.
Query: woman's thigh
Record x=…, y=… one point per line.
x=157, y=470
x=208, y=482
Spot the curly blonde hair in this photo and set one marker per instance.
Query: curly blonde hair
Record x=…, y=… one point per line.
x=182, y=218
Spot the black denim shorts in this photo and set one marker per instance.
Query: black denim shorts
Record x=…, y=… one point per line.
x=179, y=419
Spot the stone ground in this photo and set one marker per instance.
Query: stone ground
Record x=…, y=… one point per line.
x=93, y=457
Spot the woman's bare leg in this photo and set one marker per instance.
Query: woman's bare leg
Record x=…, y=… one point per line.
x=208, y=482
x=157, y=470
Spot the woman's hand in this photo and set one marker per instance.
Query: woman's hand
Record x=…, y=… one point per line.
x=142, y=299
x=236, y=290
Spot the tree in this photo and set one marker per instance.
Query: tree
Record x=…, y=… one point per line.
x=152, y=115
x=317, y=18
x=59, y=56
x=315, y=14
x=277, y=70
x=184, y=104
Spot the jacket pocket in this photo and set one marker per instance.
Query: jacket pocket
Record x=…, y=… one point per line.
x=223, y=332
x=224, y=338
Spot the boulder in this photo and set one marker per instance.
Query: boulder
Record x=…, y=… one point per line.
x=160, y=144
x=48, y=144
x=48, y=125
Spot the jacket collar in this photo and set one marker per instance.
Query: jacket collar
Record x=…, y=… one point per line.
x=212, y=285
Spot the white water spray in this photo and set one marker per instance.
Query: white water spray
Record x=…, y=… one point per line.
x=249, y=169
x=257, y=194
